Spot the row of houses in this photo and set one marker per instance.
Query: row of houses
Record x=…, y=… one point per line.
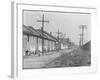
x=34, y=42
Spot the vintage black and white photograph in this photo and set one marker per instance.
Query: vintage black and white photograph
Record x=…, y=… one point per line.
x=55, y=39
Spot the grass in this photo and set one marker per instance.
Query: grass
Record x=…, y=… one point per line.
x=79, y=57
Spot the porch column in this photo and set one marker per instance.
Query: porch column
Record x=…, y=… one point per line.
x=36, y=44
x=48, y=46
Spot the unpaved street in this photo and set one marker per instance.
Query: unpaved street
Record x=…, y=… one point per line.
x=41, y=61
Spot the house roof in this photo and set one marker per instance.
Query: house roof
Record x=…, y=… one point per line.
x=87, y=45
x=28, y=30
x=50, y=36
x=47, y=35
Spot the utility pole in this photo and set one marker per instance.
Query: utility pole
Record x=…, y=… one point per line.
x=58, y=33
x=80, y=41
x=82, y=27
x=63, y=36
x=43, y=21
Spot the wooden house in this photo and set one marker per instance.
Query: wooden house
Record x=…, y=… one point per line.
x=32, y=41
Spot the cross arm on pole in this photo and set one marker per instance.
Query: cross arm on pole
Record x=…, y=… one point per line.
x=42, y=21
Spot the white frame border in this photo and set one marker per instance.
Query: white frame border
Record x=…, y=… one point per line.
x=16, y=67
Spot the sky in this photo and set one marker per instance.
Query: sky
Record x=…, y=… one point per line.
x=67, y=23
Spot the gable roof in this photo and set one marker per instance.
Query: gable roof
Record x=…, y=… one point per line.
x=87, y=45
x=28, y=30
x=47, y=35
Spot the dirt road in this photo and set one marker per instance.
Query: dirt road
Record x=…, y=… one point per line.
x=33, y=62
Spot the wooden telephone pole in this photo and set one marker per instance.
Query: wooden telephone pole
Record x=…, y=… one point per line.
x=58, y=33
x=43, y=21
x=81, y=42
x=58, y=37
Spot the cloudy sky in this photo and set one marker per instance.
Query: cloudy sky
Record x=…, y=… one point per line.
x=67, y=23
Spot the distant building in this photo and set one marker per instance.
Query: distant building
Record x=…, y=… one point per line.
x=87, y=46
x=63, y=43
